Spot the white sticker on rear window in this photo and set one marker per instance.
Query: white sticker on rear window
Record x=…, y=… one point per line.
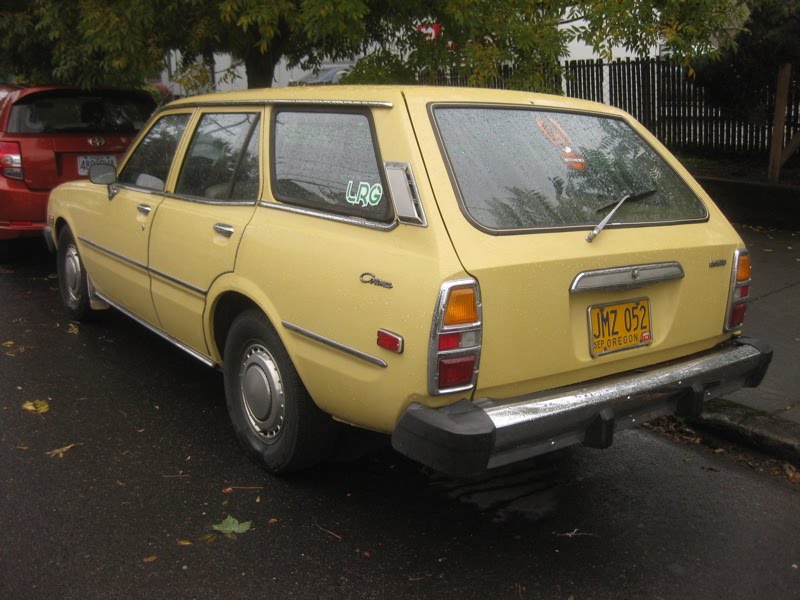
x=365, y=194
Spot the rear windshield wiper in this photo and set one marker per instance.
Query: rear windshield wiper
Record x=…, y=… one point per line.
x=630, y=197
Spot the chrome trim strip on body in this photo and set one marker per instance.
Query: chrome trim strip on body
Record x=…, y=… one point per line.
x=144, y=267
x=193, y=353
x=535, y=424
x=625, y=278
x=336, y=345
x=175, y=280
x=265, y=102
x=331, y=217
x=208, y=201
x=125, y=259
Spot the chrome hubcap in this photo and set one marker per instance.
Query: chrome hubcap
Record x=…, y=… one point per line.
x=72, y=273
x=262, y=392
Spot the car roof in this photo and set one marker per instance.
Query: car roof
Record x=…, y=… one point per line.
x=389, y=95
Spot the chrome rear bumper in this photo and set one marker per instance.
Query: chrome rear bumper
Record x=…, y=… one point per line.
x=467, y=437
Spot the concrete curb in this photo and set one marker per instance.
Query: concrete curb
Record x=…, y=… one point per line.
x=761, y=430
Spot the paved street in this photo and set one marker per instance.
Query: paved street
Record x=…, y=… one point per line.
x=146, y=462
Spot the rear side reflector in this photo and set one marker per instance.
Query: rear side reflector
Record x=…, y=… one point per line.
x=390, y=341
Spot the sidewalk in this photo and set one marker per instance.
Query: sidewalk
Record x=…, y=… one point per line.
x=769, y=415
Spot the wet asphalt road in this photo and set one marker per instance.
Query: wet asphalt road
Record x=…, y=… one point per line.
x=126, y=511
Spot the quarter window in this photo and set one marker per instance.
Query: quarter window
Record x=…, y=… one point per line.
x=222, y=160
x=149, y=164
x=328, y=162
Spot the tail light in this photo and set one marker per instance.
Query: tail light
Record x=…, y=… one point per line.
x=456, y=335
x=10, y=160
x=740, y=290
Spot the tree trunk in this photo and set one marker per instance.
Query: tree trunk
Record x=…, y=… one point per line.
x=779, y=122
x=260, y=69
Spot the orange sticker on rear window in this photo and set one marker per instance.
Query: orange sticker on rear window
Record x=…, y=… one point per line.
x=553, y=131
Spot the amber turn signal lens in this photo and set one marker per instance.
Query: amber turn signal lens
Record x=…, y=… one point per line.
x=461, y=307
x=743, y=268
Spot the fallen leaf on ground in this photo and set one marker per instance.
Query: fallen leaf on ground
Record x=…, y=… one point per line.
x=36, y=406
x=7, y=344
x=272, y=521
x=72, y=328
x=718, y=450
x=59, y=452
x=184, y=543
x=150, y=559
x=230, y=526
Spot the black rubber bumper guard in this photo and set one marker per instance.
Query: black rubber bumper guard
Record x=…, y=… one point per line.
x=468, y=437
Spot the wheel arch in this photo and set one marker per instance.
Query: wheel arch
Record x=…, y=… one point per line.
x=229, y=301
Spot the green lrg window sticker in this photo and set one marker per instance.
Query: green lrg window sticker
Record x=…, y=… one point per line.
x=365, y=194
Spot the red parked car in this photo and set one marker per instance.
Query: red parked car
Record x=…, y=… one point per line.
x=49, y=135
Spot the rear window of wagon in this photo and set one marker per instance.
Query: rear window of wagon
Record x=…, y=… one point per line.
x=519, y=169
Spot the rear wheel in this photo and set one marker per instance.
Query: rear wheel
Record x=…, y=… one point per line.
x=273, y=415
x=72, y=280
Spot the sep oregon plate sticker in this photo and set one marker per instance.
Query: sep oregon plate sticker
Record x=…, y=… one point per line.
x=364, y=194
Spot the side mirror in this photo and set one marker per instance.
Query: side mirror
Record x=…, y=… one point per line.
x=103, y=174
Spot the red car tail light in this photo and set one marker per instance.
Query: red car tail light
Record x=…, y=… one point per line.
x=456, y=336
x=740, y=290
x=10, y=160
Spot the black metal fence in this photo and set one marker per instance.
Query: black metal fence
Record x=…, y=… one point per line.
x=660, y=94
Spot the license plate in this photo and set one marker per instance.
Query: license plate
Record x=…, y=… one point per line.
x=619, y=326
x=86, y=162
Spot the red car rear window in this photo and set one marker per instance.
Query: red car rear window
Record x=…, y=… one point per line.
x=74, y=111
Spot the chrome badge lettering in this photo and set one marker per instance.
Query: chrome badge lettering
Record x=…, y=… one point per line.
x=373, y=280
x=720, y=262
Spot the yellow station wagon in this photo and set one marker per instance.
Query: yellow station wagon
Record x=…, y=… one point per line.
x=484, y=275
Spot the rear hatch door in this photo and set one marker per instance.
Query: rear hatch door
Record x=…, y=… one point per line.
x=62, y=132
x=521, y=187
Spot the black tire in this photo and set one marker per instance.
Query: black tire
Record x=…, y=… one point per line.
x=72, y=281
x=275, y=419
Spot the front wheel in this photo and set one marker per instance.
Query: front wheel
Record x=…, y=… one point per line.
x=72, y=279
x=273, y=415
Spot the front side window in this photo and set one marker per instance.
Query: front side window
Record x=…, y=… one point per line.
x=522, y=169
x=222, y=160
x=149, y=164
x=328, y=161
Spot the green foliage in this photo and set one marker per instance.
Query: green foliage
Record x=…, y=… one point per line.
x=124, y=42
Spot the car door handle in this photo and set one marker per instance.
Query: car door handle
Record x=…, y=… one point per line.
x=144, y=209
x=224, y=229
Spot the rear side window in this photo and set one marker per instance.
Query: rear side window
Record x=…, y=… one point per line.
x=72, y=111
x=329, y=162
x=222, y=160
x=522, y=169
x=149, y=164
